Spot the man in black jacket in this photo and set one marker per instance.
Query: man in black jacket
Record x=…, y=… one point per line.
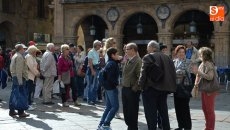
x=155, y=92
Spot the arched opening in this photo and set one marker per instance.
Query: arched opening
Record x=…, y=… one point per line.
x=140, y=28
x=6, y=37
x=91, y=28
x=195, y=26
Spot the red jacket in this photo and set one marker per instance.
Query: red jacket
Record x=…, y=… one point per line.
x=1, y=62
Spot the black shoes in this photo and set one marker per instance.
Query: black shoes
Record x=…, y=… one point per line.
x=48, y=103
x=13, y=114
x=23, y=115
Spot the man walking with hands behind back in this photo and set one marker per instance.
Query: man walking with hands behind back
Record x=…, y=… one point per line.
x=131, y=90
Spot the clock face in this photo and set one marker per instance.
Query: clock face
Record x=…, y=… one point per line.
x=163, y=12
x=112, y=14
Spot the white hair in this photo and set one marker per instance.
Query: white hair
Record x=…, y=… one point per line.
x=49, y=46
x=154, y=44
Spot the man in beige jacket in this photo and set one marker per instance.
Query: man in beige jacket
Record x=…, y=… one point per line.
x=18, y=70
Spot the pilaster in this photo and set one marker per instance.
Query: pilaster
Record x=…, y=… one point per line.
x=166, y=38
x=222, y=48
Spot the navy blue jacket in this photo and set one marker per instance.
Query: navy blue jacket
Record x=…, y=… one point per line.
x=112, y=74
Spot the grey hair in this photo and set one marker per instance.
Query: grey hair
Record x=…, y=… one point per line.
x=49, y=46
x=95, y=43
x=154, y=44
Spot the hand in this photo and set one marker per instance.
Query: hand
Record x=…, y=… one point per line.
x=93, y=73
x=194, y=69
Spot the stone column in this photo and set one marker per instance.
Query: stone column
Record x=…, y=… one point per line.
x=222, y=48
x=0, y=5
x=166, y=38
x=58, y=22
x=119, y=40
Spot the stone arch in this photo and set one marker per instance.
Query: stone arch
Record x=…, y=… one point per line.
x=76, y=21
x=125, y=17
x=8, y=29
x=175, y=16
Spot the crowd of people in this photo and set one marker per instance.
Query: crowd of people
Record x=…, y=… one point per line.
x=79, y=71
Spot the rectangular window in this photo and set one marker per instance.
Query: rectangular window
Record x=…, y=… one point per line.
x=41, y=8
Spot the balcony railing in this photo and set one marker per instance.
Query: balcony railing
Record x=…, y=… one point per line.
x=81, y=1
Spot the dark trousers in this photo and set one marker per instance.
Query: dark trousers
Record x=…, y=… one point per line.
x=74, y=88
x=31, y=90
x=64, y=93
x=183, y=112
x=153, y=101
x=130, y=101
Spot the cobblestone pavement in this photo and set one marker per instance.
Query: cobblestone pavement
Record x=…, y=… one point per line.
x=87, y=117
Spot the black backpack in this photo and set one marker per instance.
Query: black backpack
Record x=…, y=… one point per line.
x=154, y=71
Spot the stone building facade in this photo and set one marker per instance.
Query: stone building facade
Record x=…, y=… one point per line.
x=20, y=19
x=161, y=21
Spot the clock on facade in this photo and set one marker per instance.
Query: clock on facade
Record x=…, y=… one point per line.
x=112, y=14
x=163, y=12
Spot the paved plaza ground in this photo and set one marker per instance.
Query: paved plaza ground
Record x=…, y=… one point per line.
x=87, y=117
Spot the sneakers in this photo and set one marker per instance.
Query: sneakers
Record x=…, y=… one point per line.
x=76, y=103
x=65, y=104
x=106, y=128
x=100, y=101
x=91, y=103
x=31, y=108
x=117, y=116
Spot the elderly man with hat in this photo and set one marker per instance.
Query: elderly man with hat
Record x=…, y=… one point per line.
x=18, y=70
x=92, y=72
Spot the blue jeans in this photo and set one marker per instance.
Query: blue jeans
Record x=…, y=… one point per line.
x=112, y=106
x=92, y=84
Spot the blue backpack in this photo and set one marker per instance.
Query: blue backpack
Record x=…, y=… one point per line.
x=102, y=77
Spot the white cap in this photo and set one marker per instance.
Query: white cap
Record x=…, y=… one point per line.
x=24, y=46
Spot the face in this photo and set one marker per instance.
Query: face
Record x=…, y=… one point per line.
x=114, y=45
x=98, y=46
x=149, y=49
x=129, y=51
x=164, y=50
x=66, y=52
x=181, y=54
x=78, y=50
x=115, y=56
x=188, y=44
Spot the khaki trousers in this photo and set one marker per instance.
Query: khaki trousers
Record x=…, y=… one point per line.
x=47, y=88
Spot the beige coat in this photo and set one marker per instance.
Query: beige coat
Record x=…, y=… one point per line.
x=32, y=67
x=18, y=67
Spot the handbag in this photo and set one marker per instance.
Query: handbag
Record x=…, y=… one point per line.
x=80, y=71
x=19, y=98
x=185, y=87
x=209, y=86
x=65, y=77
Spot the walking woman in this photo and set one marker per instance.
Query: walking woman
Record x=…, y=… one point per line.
x=206, y=71
x=183, y=91
x=64, y=69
